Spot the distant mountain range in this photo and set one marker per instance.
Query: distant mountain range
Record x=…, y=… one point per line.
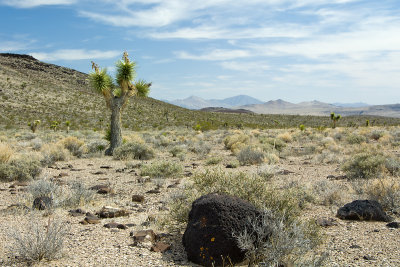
x=194, y=102
x=244, y=102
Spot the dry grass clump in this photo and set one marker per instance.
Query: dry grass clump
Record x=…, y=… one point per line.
x=133, y=151
x=329, y=193
x=236, y=142
x=161, y=169
x=6, y=152
x=73, y=145
x=285, y=137
x=52, y=153
x=386, y=191
x=133, y=138
x=39, y=241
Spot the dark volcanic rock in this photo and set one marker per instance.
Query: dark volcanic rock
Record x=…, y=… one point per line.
x=363, y=210
x=212, y=220
x=42, y=203
x=393, y=225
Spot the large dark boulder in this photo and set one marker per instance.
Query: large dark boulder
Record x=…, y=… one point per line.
x=363, y=210
x=208, y=237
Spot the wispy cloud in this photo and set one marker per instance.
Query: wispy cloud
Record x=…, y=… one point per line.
x=15, y=43
x=76, y=54
x=214, y=55
x=35, y=3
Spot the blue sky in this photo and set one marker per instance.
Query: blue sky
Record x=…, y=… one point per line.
x=296, y=50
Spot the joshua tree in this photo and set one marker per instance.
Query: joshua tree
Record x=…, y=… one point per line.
x=68, y=124
x=54, y=125
x=33, y=125
x=335, y=118
x=117, y=93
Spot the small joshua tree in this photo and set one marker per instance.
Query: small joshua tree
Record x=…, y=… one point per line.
x=54, y=125
x=117, y=93
x=33, y=125
x=68, y=124
x=334, y=119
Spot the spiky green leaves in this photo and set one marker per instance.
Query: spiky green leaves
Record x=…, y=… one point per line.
x=101, y=81
x=125, y=72
x=142, y=87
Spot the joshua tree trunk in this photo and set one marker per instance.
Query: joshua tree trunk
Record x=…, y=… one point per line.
x=116, y=133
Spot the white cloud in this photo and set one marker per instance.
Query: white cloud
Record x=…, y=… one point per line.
x=251, y=67
x=76, y=54
x=35, y=3
x=215, y=55
x=215, y=32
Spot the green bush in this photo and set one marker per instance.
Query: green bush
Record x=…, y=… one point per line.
x=365, y=165
x=133, y=151
x=162, y=169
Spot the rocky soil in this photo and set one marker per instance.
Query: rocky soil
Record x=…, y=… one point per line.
x=349, y=243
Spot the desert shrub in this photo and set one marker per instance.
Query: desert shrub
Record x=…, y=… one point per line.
x=37, y=144
x=5, y=153
x=133, y=151
x=386, y=191
x=329, y=193
x=393, y=166
x=235, y=142
x=365, y=165
x=201, y=148
x=96, y=146
x=355, y=139
x=285, y=137
x=267, y=171
x=38, y=242
x=73, y=145
x=250, y=156
x=376, y=134
x=79, y=195
x=52, y=153
x=162, y=169
x=213, y=161
x=177, y=150
x=43, y=188
x=275, y=143
x=21, y=168
x=271, y=240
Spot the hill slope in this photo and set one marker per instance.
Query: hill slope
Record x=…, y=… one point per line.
x=33, y=90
